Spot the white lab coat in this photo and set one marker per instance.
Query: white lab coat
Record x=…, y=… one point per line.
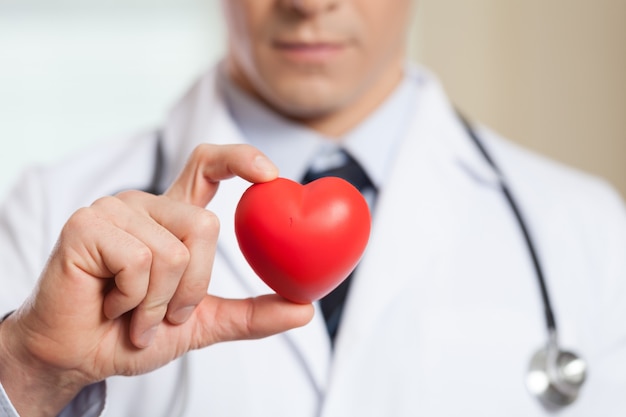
x=444, y=314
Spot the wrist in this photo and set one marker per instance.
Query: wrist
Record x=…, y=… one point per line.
x=34, y=388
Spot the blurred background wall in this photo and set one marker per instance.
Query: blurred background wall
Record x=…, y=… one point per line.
x=77, y=71
x=548, y=74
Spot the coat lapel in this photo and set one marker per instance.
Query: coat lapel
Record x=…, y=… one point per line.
x=418, y=210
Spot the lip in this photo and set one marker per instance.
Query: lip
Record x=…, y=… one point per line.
x=309, y=52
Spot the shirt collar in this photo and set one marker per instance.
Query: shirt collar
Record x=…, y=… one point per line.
x=292, y=146
x=374, y=142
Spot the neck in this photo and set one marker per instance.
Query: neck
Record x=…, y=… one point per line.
x=338, y=122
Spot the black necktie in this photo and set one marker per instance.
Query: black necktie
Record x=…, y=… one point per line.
x=348, y=168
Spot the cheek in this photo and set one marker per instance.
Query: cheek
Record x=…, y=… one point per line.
x=244, y=20
x=263, y=65
x=386, y=32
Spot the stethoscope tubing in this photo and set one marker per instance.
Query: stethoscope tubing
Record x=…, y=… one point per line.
x=514, y=206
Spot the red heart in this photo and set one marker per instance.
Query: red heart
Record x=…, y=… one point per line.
x=303, y=241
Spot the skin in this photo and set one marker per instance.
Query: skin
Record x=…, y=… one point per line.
x=325, y=63
x=123, y=266
x=125, y=288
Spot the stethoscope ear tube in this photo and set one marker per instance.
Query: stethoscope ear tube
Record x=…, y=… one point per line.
x=554, y=376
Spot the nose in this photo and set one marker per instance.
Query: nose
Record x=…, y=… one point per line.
x=311, y=7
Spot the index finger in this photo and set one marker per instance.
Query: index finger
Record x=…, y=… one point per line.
x=209, y=164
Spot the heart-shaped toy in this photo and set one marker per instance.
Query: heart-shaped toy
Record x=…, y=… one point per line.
x=302, y=240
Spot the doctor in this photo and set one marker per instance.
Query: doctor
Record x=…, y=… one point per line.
x=442, y=316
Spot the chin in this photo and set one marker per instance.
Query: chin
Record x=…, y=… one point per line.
x=308, y=110
x=307, y=100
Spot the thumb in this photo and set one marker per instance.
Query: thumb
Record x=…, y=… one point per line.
x=209, y=164
x=252, y=318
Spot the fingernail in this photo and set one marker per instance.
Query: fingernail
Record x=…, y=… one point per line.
x=181, y=315
x=147, y=337
x=264, y=164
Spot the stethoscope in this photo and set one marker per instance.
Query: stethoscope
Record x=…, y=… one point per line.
x=555, y=376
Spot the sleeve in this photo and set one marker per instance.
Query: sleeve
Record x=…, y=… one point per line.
x=22, y=240
x=90, y=402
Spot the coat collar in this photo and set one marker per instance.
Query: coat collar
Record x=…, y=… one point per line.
x=442, y=125
x=437, y=145
x=201, y=112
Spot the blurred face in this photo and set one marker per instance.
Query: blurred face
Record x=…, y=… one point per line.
x=327, y=63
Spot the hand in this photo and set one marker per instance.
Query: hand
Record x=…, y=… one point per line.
x=125, y=289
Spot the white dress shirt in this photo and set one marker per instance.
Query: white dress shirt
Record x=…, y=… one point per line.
x=294, y=147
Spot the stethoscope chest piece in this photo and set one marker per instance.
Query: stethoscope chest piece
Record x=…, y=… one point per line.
x=555, y=376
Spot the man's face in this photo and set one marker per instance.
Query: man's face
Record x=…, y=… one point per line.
x=311, y=58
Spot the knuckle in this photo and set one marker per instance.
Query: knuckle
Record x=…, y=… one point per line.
x=82, y=219
x=84, y=215
x=134, y=199
x=202, y=151
x=206, y=223
x=178, y=255
x=129, y=195
x=107, y=203
x=246, y=148
x=142, y=257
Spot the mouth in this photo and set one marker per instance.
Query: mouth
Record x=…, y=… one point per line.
x=309, y=52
